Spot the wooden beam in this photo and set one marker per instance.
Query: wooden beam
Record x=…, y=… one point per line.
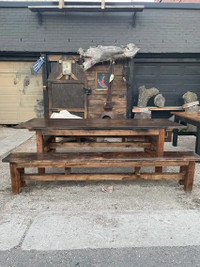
x=99, y=145
x=102, y=4
x=102, y=176
x=61, y=4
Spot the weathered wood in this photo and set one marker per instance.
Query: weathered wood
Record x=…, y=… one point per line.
x=21, y=171
x=189, y=177
x=194, y=116
x=183, y=170
x=98, y=133
x=137, y=170
x=168, y=136
x=160, y=146
x=107, y=158
x=69, y=109
x=186, y=161
x=100, y=145
x=99, y=124
x=40, y=147
x=102, y=176
x=67, y=171
x=15, y=179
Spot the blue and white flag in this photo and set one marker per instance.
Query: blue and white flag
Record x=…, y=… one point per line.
x=38, y=64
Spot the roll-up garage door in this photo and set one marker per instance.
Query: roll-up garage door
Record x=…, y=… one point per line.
x=21, y=93
x=172, y=78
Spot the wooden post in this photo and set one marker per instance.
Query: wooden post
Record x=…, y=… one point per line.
x=189, y=177
x=15, y=179
x=40, y=148
x=21, y=171
x=183, y=169
x=160, y=146
x=67, y=171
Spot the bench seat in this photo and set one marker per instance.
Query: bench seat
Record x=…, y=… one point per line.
x=20, y=161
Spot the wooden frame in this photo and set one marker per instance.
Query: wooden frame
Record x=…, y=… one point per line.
x=20, y=161
x=66, y=67
x=102, y=80
x=51, y=109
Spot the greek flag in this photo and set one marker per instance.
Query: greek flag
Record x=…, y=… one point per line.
x=38, y=64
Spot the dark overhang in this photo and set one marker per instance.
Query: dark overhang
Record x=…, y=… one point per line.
x=147, y=5
x=87, y=8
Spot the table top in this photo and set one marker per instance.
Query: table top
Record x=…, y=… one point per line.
x=194, y=116
x=99, y=124
x=169, y=108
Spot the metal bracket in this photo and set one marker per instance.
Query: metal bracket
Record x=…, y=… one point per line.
x=87, y=91
x=40, y=18
x=134, y=19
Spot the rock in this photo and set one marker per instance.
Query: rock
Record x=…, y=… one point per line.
x=145, y=95
x=159, y=101
x=143, y=115
x=189, y=97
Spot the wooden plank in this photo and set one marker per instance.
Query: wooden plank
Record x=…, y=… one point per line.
x=193, y=116
x=166, y=108
x=69, y=109
x=99, y=124
x=100, y=145
x=99, y=164
x=102, y=176
x=105, y=133
x=103, y=157
x=102, y=4
x=54, y=57
x=61, y=4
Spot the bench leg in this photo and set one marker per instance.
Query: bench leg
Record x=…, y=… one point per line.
x=67, y=171
x=189, y=177
x=40, y=148
x=183, y=169
x=137, y=170
x=21, y=171
x=160, y=146
x=15, y=179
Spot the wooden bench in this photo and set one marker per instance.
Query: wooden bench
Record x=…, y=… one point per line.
x=20, y=161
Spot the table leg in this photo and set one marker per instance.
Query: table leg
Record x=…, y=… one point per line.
x=197, y=145
x=175, y=134
x=40, y=148
x=160, y=146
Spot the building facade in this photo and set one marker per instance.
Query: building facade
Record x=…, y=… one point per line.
x=169, y=57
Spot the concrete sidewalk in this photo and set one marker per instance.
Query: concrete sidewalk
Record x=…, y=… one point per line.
x=74, y=216
x=11, y=138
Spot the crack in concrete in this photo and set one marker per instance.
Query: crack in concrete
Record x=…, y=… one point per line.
x=24, y=235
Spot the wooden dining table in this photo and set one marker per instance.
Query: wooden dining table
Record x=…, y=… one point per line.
x=152, y=130
x=48, y=129
x=191, y=118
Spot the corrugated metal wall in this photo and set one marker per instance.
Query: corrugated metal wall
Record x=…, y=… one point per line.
x=21, y=94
